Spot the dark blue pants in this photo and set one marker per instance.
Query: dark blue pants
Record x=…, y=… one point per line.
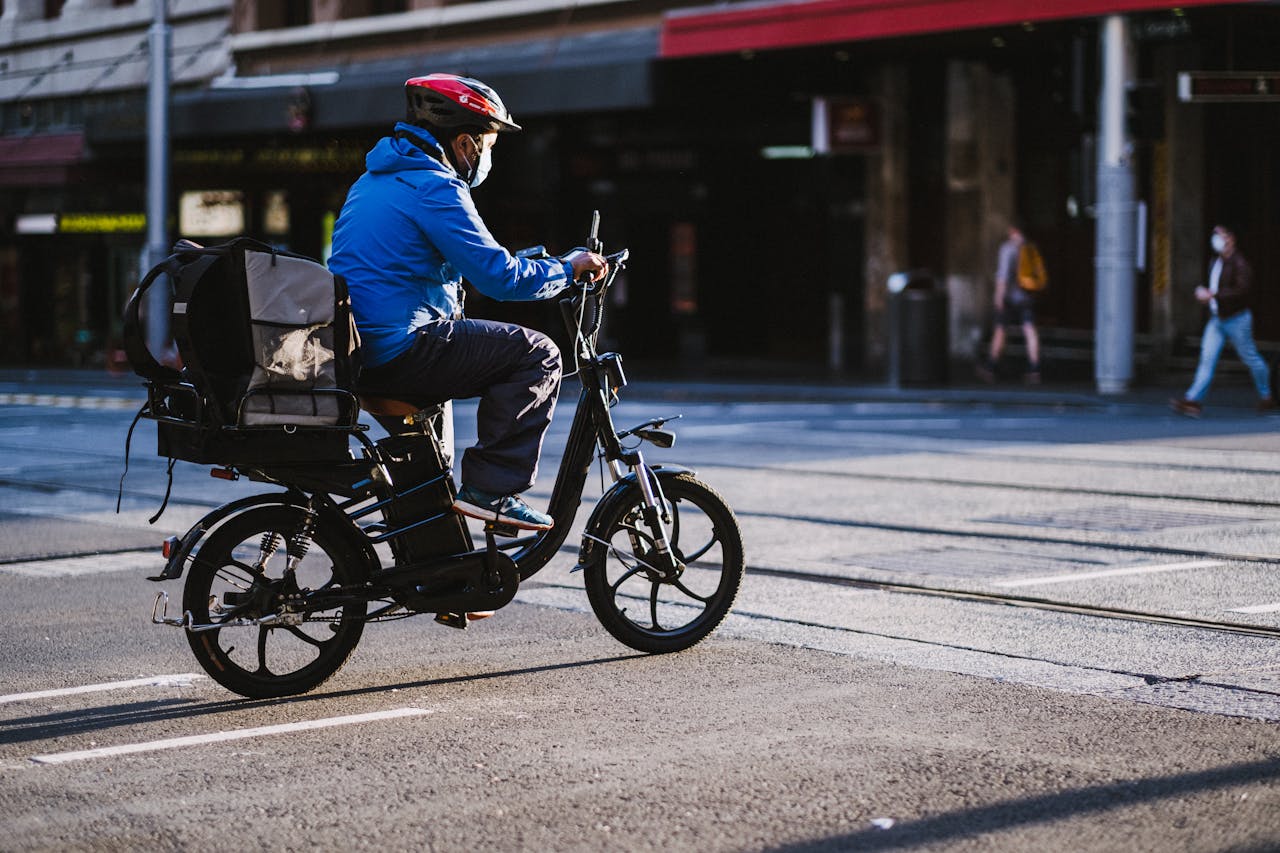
x=513, y=370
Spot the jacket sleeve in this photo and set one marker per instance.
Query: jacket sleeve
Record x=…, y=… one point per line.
x=454, y=225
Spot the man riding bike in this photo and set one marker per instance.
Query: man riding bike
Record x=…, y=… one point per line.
x=406, y=238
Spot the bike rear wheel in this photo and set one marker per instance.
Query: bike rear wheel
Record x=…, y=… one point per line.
x=238, y=578
x=638, y=603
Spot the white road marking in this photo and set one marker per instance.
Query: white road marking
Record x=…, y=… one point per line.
x=90, y=565
x=182, y=680
x=68, y=401
x=1111, y=573
x=1257, y=608
x=220, y=737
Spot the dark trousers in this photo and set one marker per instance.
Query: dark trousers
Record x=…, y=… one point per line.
x=513, y=370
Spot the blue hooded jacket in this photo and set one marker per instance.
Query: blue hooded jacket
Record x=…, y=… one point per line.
x=407, y=236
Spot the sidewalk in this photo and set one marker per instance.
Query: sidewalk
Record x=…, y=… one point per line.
x=647, y=382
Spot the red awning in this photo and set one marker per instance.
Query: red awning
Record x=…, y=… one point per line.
x=39, y=159
x=760, y=26
x=45, y=149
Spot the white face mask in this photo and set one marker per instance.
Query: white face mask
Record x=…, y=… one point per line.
x=1218, y=242
x=483, y=166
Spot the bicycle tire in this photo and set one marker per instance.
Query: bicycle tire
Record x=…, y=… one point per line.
x=705, y=538
x=223, y=571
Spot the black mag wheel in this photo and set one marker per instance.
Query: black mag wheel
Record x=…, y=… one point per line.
x=652, y=609
x=238, y=576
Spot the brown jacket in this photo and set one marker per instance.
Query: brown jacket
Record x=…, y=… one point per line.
x=1235, y=286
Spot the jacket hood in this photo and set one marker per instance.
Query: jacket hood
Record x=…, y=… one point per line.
x=392, y=154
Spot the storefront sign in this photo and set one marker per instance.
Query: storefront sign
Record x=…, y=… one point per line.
x=1224, y=86
x=102, y=223
x=211, y=213
x=80, y=223
x=328, y=158
x=36, y=223
x=845, y=126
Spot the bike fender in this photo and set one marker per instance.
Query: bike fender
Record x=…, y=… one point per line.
x=619, y=491
x=178, y=558
x=328, y=515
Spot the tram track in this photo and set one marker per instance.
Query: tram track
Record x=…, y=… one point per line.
x=1127, y=547
x=953, y=448
x=47, y=487
x=1022, y=601
x=1040, y=488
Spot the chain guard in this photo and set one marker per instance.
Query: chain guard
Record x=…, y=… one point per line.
x=479, y=580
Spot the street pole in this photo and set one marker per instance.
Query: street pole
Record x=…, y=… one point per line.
x=158, y=173
x=1115, y=239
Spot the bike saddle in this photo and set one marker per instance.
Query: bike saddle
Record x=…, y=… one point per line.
x=392, y=407
x=390, y=411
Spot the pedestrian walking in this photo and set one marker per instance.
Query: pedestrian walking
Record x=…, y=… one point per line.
x=1014, y=302
x=1228, y=296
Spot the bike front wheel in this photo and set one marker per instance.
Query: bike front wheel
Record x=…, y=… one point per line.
x=652, y=608
x=270, y=641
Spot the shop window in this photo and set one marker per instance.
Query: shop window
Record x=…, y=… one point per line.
x=285, y=13
x=367, y=8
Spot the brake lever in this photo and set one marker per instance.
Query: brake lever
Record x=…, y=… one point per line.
x=652, y=423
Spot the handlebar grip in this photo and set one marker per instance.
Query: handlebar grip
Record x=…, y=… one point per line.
x=593, y=235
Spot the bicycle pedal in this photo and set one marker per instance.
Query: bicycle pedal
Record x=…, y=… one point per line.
x=497, y=528
x=453, y=620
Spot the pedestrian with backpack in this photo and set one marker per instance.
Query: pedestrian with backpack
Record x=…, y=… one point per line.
x=1228, y=295
x=1020, y=272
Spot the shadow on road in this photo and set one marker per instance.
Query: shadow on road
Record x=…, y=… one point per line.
x=981, y=820
x=87, y=720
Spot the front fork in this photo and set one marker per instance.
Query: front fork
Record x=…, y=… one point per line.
x=655, y=511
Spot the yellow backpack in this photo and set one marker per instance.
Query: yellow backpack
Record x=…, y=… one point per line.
x=1032, y=276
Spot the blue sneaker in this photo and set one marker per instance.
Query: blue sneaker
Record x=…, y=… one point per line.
x=500, y=509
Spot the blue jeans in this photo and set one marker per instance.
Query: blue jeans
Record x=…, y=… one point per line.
x=1238, y=328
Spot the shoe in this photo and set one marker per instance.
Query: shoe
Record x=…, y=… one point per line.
x=1266, y=405
x=986, y=372
x=1032, y=376
x=1183, y=406
x=500, y=509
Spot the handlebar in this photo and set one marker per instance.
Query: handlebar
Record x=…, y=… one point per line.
x=584, y=310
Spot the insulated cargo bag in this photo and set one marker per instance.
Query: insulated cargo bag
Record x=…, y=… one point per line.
x=268, y=352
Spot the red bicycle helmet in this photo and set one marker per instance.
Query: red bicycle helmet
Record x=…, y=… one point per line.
x=446, y=100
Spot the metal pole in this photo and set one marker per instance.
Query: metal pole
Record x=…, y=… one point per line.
x=1114, y=255
x=158, y=173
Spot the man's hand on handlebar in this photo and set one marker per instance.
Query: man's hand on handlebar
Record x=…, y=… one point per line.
x=587, y=266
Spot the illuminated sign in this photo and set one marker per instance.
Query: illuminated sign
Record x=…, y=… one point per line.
x=36, y=223
x=102, y=223
x=80, y=223
x=275, y=213
x=1226, y=86
x=845, y=125
x=211, y=213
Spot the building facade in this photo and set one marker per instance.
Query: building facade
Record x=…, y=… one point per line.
x=72, y=214
x=769, y=165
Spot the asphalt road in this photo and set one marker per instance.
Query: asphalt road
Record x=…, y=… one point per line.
x=944, y=642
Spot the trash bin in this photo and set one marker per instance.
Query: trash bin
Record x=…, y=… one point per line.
x=919, y=349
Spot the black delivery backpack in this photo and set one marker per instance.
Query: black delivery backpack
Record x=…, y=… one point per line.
x=269, y=355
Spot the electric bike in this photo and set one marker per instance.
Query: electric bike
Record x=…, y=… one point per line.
x=280, y=586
